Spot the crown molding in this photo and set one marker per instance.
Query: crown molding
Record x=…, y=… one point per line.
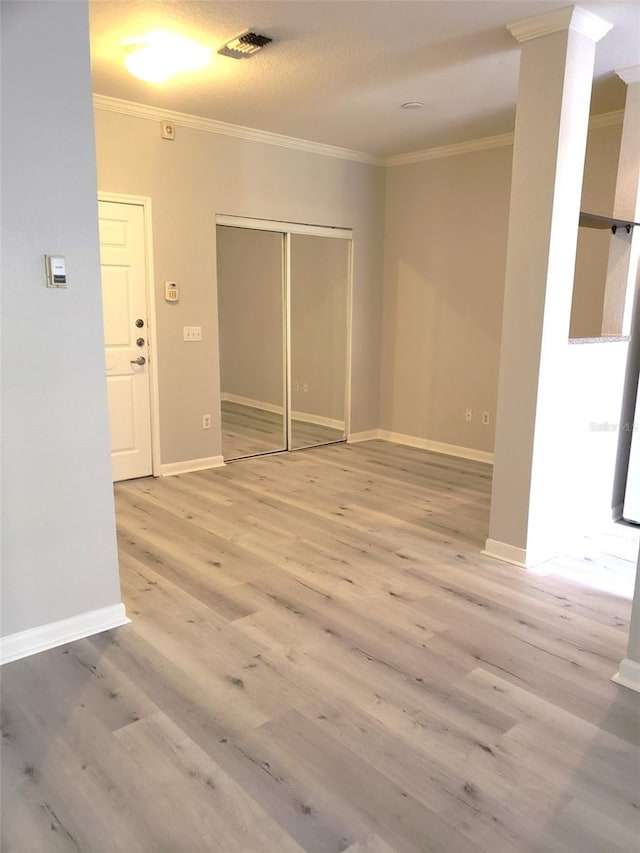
x=487, y=142
x=630, y=75
x=483, y=144
x=116, y=105
x=606, y=119
x=568, y=18
x=130, y=108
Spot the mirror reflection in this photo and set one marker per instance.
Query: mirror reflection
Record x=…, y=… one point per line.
x=318, y=292
x=251, y=330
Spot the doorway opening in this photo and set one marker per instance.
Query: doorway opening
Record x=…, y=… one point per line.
x=284, y=299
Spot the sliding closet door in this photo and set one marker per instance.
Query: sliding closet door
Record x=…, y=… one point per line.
x=318, y=283
x=251, y=329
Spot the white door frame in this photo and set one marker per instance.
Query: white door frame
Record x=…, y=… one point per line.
x=151, y=329
x=289, y=228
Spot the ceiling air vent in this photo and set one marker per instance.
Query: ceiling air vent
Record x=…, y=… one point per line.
x=244, y=45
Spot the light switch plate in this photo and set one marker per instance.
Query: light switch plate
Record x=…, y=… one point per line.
x=193, y=333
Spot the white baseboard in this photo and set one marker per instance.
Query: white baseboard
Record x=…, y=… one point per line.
x=506, y=553
x=628, y=675
x=35, y=640
x=171, y=469
x=525, y=559
x=367, y=435
x=318, y=420
x=227, y=397
x=436, y=446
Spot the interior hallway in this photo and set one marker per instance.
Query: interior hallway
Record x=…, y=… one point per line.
x=321, y=660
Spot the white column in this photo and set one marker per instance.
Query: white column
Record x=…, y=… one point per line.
x=629, y=673
x=627, y=205
x=556, y=73
x=625, y=248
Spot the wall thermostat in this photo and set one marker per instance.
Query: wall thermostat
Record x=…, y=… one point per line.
x=56, y=271
x=171, y=291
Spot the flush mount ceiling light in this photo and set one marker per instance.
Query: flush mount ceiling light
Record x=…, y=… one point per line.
x=157, y=55
x=412, y=105
x=244, y=45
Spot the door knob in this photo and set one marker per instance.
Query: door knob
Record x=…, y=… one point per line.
x=140, y=342
x=139, y=323
x=139, y=360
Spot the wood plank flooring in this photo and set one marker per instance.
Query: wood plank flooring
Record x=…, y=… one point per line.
x=321, y=660
x=247, y=431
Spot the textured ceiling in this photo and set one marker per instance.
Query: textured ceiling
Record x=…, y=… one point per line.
x=338, y=70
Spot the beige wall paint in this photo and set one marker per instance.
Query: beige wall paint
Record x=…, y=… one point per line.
x=445, y=243
x=250, y=308
x=192, y=179
x=598, y=191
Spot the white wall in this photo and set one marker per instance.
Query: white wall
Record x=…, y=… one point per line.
x=58, y=543
x=192, y=179
x=589, y=430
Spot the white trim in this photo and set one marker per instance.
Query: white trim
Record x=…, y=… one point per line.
x=500, y=141
x=587, y=24
x=285, y=227
x=116, y=105
x=209, y=125
x=227, y=397
x=606, y=119
x=287, y=341
x=487, y=142
x=525, y=559
x=306, y=417
x=436, y=446
x=558, y=20
x=348, y=367
x=366, y=435
x=629, y=75
x=616, y=512
x=628, y=674
x=318, y=420
x=154, y=392
x=34, y=640
x=505, y=553
x=171, y=469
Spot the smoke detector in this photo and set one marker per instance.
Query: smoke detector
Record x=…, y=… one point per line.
x=244, y=45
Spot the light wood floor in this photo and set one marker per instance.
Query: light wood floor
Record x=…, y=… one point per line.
x=321, y=660
x=247, y=431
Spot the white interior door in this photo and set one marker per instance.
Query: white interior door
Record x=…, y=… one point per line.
x=122, y=260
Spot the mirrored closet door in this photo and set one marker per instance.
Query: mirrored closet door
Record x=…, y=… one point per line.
x=251, y=332
x=319, y=279
x=283, y=299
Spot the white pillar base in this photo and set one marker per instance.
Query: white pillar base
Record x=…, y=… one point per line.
x=628, y=675
x=522, y=557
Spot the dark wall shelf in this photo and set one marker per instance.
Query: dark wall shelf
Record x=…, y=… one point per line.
x=593, y=220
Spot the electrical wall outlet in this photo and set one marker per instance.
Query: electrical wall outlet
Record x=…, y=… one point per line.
x=468, y=414
x=305, y=386
x=193, y=333
x=485, y=418
x=206, y=422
